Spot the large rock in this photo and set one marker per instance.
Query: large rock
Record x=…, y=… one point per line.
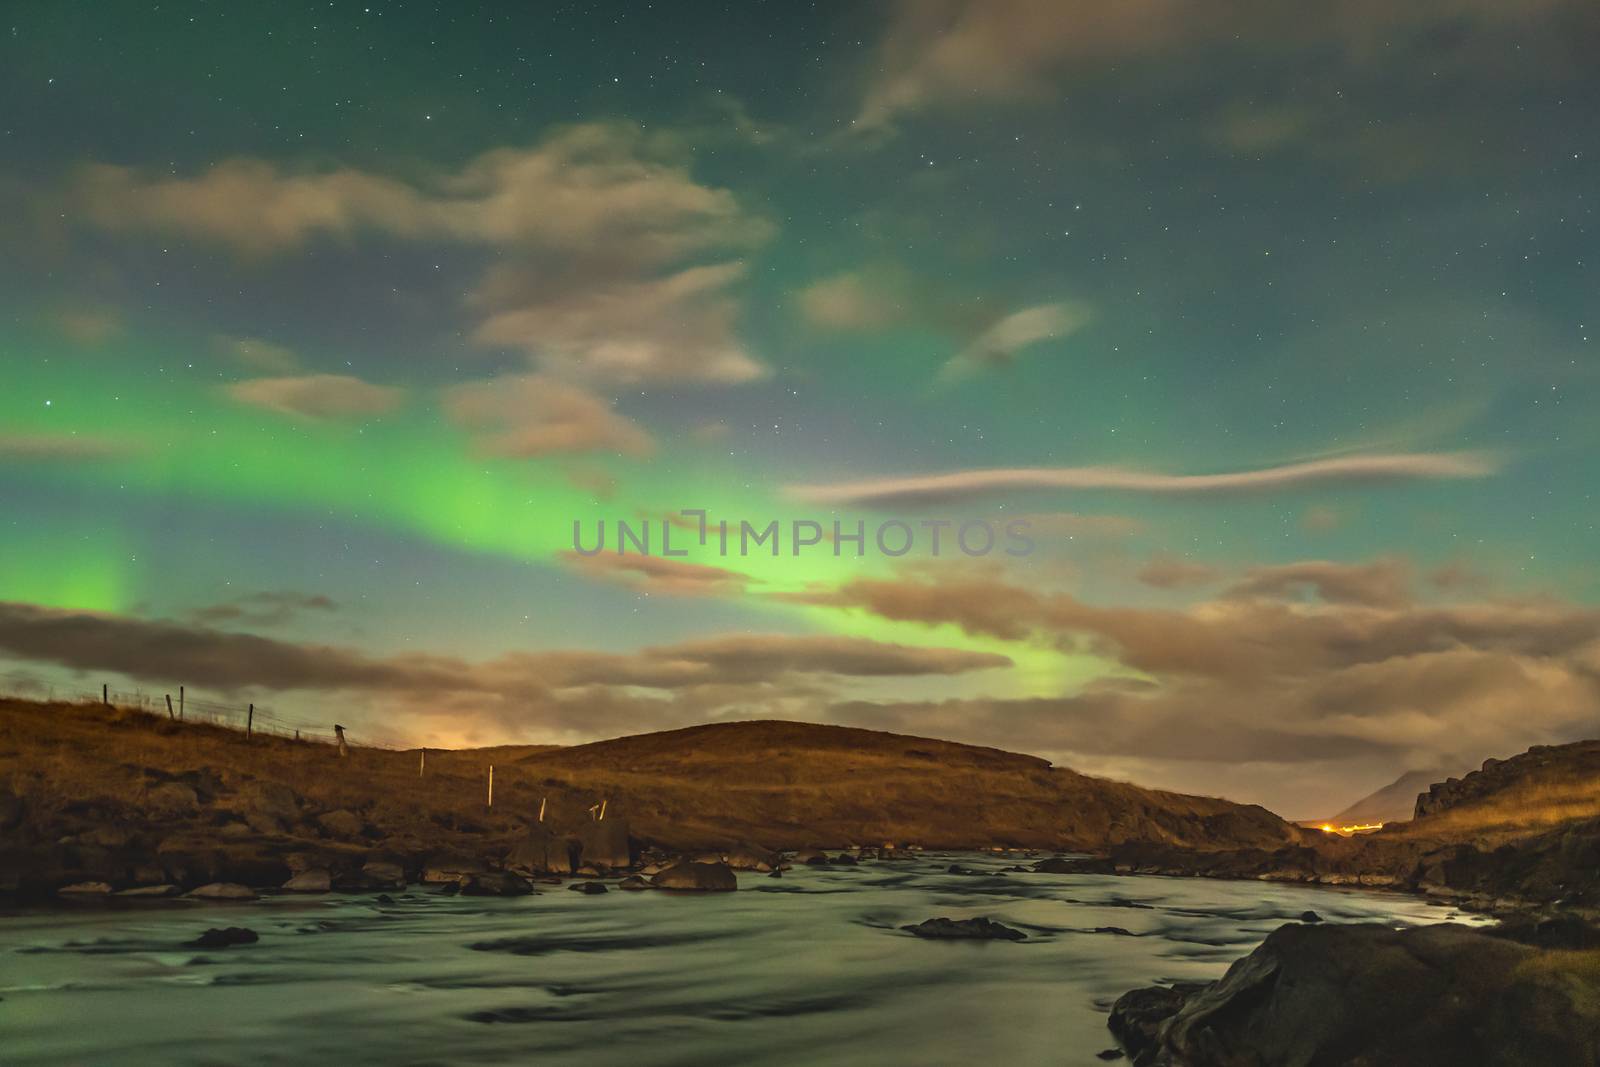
x=979, y=929
x=342, y=824
x=1434, y=996
x=317, y=880
x=604, y=843
x=1138, y=1015
x=382, y=874
x=751, y=858
x=444, y=867
x=226, y=937
x=540, y=852
x=700, y=877
x=269, y=800
x=223, y=891
x=494, y=884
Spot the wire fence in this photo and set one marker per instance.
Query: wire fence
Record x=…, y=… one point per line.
x=180, y=705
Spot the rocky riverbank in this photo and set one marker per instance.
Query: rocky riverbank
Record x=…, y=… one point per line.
x=1431, y=996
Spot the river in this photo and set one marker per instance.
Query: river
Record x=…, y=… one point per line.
x=806, y=969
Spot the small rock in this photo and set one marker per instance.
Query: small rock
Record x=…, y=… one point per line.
x=633, y=881
x=223, y=891
x=1310, y=917
x=588, y=888
x=494, y=884
x=151, y=891
x=384, y=898
x=85, y=889
x=226, y=936
x=1113, y=930
x=980, y=929
x=1109, y=1054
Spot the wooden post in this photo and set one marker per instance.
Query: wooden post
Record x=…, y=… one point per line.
x=297, y=735
x=180, y=703
x=170, y=715
x=422, y=762
x=250, y=722
x=338, y=732
x=602, y=817
x=105, y=694
x=541, y=808
x=491, y=785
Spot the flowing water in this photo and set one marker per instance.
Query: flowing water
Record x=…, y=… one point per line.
x=806, y=969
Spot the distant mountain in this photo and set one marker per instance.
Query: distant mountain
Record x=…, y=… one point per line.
x=1395, y=802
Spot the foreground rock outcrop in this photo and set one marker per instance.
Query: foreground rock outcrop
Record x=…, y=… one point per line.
x=1368, y=995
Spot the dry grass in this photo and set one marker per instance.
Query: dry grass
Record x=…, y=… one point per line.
x=775, y=783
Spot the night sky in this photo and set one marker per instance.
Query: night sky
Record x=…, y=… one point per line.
x=321, y=325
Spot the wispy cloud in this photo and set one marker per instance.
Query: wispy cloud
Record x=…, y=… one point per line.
x=318, y=396
x=957, y=485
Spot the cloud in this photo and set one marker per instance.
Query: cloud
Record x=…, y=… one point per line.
x=262, y=609
x=318, y=396
x=88, y=326
x=526, y=416
x=677, y=326
x=1381, y=583
x=169, y=653
x=946, y=54
x=73, y=447
x=264, y=357
x=961, y=485
x=854, y=301
x=613, y=262
x=1175, y=572
x=1001, y=343
x=1361, y=682
x=656, y=574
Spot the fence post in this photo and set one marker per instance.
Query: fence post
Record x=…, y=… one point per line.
x=105, y=694
x=491, y=785
x=250, y=722
x=180, y=703
x=422, y=762
x=338, y=732
x=541, y=808
x=169, y=707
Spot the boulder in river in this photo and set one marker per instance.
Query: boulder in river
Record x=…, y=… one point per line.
x=316, y=880
x=225, y=937
x=494, y=884
x=223, y=891
x=85, y=889
x=634, y=882
x=151, y=892
x=978, y=929
x=1432, y=996
x=702, y=877
x=588, y=888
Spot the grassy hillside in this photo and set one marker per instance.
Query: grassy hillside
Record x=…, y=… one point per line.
x=123, y=787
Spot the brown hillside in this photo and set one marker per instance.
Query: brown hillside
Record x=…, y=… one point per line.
x=97, y=789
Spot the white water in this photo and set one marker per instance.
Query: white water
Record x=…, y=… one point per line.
x=807, y=969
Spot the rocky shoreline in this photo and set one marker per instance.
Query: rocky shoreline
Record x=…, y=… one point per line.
x=1429, y=996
